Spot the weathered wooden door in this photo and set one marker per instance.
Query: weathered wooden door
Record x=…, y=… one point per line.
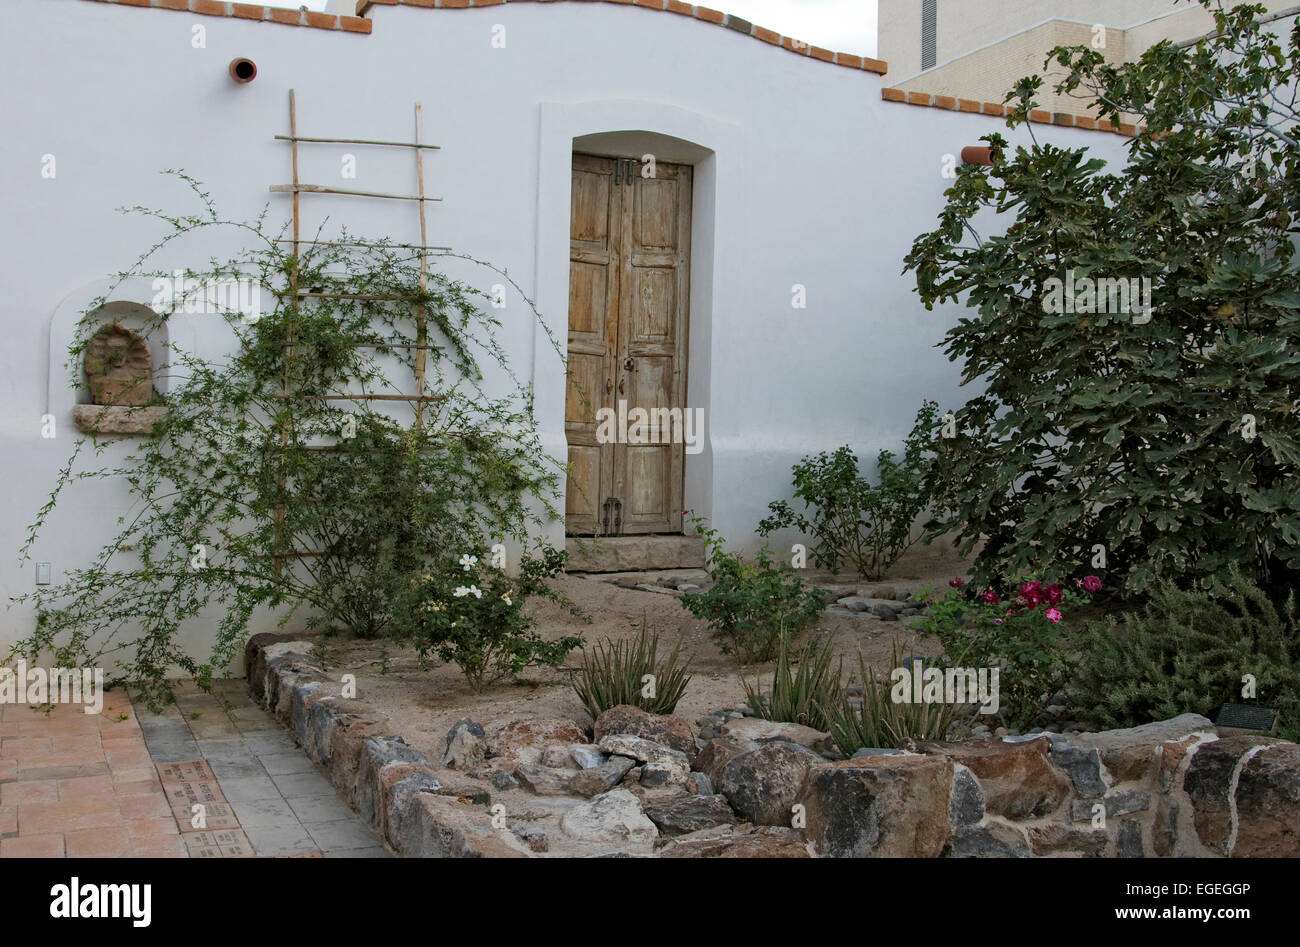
x=629, y=287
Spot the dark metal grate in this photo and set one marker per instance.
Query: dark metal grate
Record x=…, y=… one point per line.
x=1247, y=717
x=929, y=43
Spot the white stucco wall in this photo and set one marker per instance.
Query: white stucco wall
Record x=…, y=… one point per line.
x=803, y=175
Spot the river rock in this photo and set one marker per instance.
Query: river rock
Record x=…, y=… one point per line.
x=764, y=783
x=524, y=740
x=1209, y=784
x=543, y=780
x=690, y=814
x=664, y=729
x=465, y=748
x=765, y=731
x=645, y=751
x=880, y=806
x=995, y=840
x=1129, y=754
x=615, y=816
x=1018, y=779
x=745, y=841
x=1268, y=804
x=602, y=778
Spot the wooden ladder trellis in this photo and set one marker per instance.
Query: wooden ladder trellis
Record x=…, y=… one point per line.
x=296, y=294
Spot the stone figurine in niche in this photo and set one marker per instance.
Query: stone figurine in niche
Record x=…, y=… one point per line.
x=119, y=367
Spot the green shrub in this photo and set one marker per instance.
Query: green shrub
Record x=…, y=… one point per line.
x=1186, y=651
x=615, y=673
x=1159, y=426
x=752, y=607
x=471, y=613
x=1018, y=631
x=848, y=518
x=881, y=721
x=802, y=687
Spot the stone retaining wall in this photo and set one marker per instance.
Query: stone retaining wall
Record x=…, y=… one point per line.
x=1171, y=789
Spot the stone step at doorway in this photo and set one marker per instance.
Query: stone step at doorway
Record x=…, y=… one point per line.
x=633, y=553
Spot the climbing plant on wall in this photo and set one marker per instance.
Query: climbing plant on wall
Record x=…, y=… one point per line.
x=268, y=487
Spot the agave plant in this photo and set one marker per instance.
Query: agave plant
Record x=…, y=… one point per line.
x=802, y=685
x=881, y=721
x=630, y=672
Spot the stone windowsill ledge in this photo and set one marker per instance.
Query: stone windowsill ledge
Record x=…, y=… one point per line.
x=116, y=419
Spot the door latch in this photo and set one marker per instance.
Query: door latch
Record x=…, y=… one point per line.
x=613, y=510
x=624, y=171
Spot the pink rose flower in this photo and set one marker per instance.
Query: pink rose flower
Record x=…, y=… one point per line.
x=1054, y=595
x=990, y=597
x=1053, y=615
x=956, y=583
x=1091, y=584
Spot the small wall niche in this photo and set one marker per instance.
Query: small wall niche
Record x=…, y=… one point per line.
x=118, y=395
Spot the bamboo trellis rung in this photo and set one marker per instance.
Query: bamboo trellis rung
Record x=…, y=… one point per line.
x=322, y=189
x=381, y=397
x=356, y=141
x=359, y=243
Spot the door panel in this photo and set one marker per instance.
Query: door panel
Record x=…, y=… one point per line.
x=593, y=314
x=629, y=287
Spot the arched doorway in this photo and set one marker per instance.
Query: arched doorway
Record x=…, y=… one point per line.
x=628, y=420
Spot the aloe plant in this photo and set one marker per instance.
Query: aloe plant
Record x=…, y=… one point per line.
x=801, y=687
x=630, y=672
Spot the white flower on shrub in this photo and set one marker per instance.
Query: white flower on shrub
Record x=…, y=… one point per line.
x=474, y=590
x=468, y=562
x=506, y=598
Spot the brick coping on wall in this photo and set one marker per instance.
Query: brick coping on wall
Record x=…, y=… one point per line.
x=703, y=14
x=1041, y=116
x=360, y=24
x=255, y=11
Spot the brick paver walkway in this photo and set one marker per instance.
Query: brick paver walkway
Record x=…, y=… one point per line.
x=81, y=785
x=124, y=783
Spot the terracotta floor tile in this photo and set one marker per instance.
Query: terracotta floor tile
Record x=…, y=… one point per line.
x=47, y=818
x=137, y=787
x=159, y=848
x=50, y=760
x=145, y=829
x=26, y=748
x=86, y=787
x=98, y=843
x=63, y=727
x=88, y=745
x=124, y=758
x=33, y=846
x=119, y=744
x=37, y=790
x=133, y=774
x=153, y=806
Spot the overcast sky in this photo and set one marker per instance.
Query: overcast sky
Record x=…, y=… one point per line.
x=846, y=26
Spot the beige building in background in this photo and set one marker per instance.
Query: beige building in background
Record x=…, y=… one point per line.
x=979, y=49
